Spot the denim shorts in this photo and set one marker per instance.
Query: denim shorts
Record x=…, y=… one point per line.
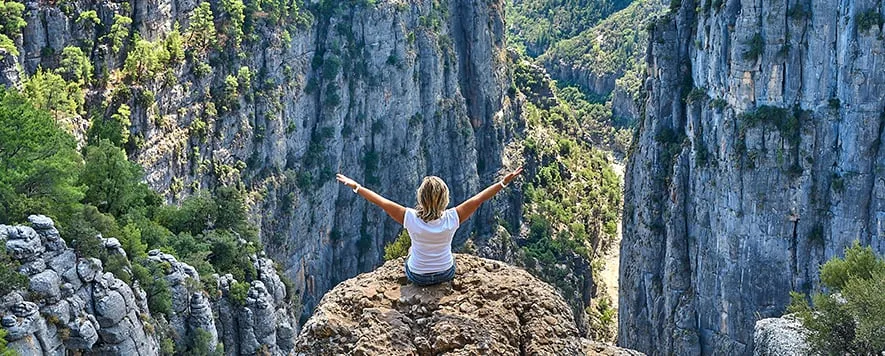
x=420, y=279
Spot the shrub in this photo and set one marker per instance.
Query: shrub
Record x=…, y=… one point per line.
x=10, y=279
x=399, y=247
x=756, y=46
x=868, y=19
x=238, y=293
x=854, y=321
x=119, y=32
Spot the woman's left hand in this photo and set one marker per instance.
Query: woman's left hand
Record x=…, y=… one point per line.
x=352, y=184
x=512, y=175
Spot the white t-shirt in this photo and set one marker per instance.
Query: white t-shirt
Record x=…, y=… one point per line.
x=431, y=250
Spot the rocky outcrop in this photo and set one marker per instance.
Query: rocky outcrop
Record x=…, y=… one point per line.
x=780, y=337
x=758, y=159
x=73, y=305
x=383, y=91
x=489, y=307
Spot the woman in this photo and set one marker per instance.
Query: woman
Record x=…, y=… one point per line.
x=430, y=225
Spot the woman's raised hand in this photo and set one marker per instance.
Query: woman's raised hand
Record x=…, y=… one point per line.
x=512, y=175
x=352, y=184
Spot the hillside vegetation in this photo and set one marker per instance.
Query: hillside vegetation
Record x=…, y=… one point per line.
x=533, y=26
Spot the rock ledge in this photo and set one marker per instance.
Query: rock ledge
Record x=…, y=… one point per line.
x=490, y=308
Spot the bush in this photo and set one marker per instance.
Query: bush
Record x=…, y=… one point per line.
x=10, y=279
x=868, y=19
x=238, y=293
x=851, y=318
x=756, y=47
x=399, y=247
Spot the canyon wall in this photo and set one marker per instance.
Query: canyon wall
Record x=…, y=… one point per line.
x=385, y=92
x=759, y=158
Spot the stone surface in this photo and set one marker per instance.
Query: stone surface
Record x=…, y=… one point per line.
x=490, y=308
x=84, y=310
x=723, y=215
x=780, y=337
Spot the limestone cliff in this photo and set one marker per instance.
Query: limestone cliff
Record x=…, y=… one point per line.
x=489, y=308
x=759, y=158
x=72, y=305
x=280, y=96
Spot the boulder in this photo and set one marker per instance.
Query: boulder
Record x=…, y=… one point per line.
x=783, y=336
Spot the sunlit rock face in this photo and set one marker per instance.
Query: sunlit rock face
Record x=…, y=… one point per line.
x=759, y=158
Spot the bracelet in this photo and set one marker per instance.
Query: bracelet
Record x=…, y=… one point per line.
x=357, y=189
x=503, y=185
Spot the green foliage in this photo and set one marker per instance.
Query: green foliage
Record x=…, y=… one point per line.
x=755, y=47
x=536, y=25
x=201, y=34
x=200, y=344
x=11, y=18
x=89, y=17
x=798, y=12
x=8, y=45
x=38, y=163
x=234, y=18
x=785, y=120
x=859, y=263
x=119, y=32
x=114, y=128
x=238, y=293
x=146, y=60
x=614, y=47
x=10, y=279
x=49, y=91
x=869, y=19
x=174, y=45
x=113, y=182
x=399, y=247
x=75, y=67
x=853, y=321
x=4, y=350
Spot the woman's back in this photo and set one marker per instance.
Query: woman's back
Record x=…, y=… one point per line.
x=431, y=250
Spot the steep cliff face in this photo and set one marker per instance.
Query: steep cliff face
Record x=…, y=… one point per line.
x=281, y=98
x=758, y=159
x=72, y=304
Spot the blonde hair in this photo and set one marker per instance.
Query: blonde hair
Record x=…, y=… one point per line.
x=433, y=198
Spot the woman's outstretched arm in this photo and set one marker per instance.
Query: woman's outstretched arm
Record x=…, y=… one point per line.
x=468, y=207
x=396, y=211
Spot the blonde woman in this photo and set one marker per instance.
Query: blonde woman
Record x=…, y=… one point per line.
x=430, y=225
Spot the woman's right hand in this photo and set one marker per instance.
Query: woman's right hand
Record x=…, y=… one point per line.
x=512, y=175
x=350, y=183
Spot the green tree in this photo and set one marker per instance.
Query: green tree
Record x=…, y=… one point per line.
x=113, y=183
x=119, y=32
x=145, y=60
x=39, y=163
x=850, y=319
x=11, y=23
x=201, y=35
x=399, y=247
x=114, y=128
x=74, y=66
x=235, y=17
x=11, y=20
x=49, y=91
x=174, y=44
